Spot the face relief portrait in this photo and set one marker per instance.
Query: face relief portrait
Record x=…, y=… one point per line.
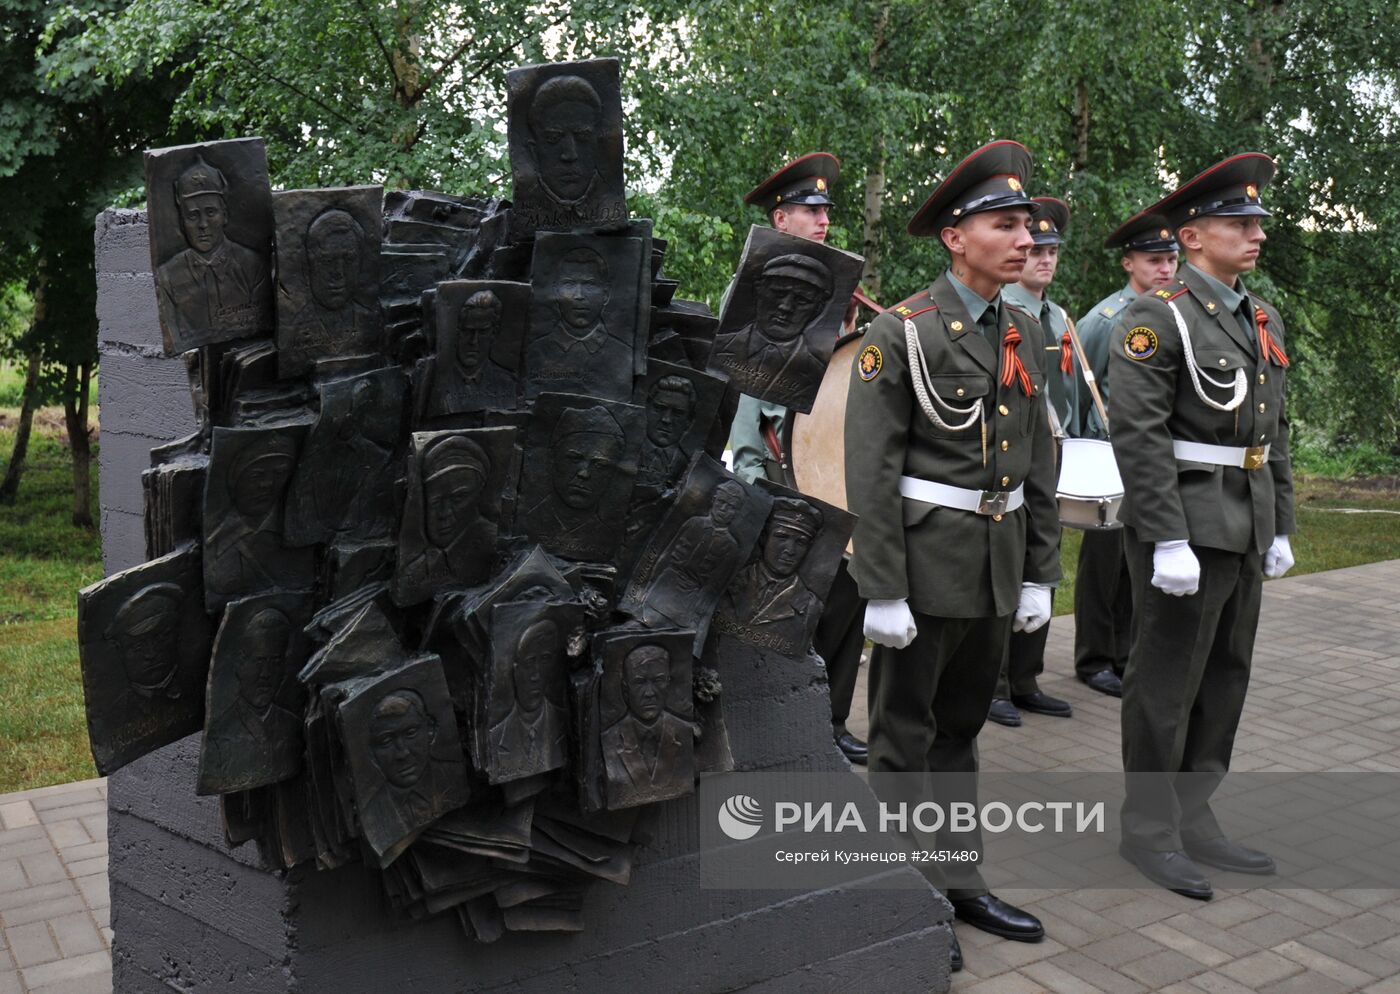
x=480, y=330
x=782, y=319
x=565, y=137
x=144, y=644
x=210, y=214
x=450, y=524
x=648, y=743
x=528, y=672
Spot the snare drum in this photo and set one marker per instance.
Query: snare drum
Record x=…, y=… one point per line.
x=1090, y=489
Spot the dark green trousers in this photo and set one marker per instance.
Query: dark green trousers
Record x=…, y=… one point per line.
x=928, y=701
x=1183, y=691
x=1103, y=604
x=1025, y=661
x=840, y=640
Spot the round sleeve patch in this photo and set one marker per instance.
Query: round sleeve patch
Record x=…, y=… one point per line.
x=871, y=362
x=1140, y=343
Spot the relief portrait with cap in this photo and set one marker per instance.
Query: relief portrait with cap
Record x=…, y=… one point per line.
x=646, y=716
x=776, y=600
x=406, y=760
x=525, y=686
x=694, y=552
x=245, y=551
x=253, y=728
x=210, y=212
x=343, y=486
x=481, y=327
x=327, y=275
x=452, y=514
x=575, y=487
x=144, y=643
x=783, y=316
x=586, y=315
x=565, y=136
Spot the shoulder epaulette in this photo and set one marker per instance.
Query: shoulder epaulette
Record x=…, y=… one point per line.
x=1108, y=312
x=917, y=304
x=1170, y=295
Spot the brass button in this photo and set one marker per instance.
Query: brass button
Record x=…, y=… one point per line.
x=996, y=517
x=961, y=391
x=1006, y=481
x=1262, y=378
x=1222, y=361
x=1262, y=408
x=1003, y=409
x=956, y=326
x=1005, y=445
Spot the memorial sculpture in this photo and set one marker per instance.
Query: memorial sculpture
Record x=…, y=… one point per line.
x=454, y=512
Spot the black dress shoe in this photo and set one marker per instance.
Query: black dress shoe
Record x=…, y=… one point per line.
x=1172, y=869
x=1003, y=712
x=991, y=914
x=1105, y=682
x=954, y=952
x=1223, y=854
x=853, y=748
x=1039, y=702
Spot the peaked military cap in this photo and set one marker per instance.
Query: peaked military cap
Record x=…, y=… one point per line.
x=1145, y=231
x=200, y=178
x=1051, y=220
x=991, y=178
x=807, y=180
x=1229, y=188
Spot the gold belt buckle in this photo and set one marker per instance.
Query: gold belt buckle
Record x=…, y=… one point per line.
x=993, y=502
x=1254, y=456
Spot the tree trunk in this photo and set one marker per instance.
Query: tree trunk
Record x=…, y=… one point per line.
x=1081, y=127
x=77, y=381
x=875, y=174
x=10, y=487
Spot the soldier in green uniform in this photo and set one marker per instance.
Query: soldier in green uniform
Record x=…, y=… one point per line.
x=951, y=466
x=798, y=200
x=1025, y=653
x=1103, y=597
x=1201, y=437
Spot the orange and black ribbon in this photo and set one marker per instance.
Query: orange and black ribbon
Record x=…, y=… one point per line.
x=1012, y=368
x=1066, y=355
x=1268, y=348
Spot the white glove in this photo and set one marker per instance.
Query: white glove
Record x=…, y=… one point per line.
x=1175, y=568
x=890, y=623
x=1279, y=559
x=1033, y=610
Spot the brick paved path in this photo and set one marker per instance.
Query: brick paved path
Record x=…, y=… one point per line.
x=1325, y=696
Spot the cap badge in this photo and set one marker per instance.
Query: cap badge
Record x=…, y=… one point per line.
x=821, y=185
x=1014, y=183
x=1165, y=233
x=1251, y=191
x=1044, y=225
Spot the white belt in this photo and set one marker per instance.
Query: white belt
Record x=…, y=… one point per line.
x=986, y=502
x=1252, y=457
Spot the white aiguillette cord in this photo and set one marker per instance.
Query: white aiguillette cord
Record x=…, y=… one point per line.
x=926, y=394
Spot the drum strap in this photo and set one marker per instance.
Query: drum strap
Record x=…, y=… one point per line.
x=1090, y=380
x=1240, y=386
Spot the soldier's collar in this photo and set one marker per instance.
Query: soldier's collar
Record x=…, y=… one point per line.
x=1230, y=297
x=975, y=303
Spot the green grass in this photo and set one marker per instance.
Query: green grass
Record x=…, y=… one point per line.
x=12, y=387
x=43, y=562
x=42, y=724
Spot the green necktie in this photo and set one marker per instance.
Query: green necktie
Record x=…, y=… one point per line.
x=988, y=323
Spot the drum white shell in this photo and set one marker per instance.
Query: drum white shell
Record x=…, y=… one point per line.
x=1090, y=488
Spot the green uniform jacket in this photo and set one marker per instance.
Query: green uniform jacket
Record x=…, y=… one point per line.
x=946, y=562
x=1154, y=401
x=1096, y=335
x=1064, y=390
